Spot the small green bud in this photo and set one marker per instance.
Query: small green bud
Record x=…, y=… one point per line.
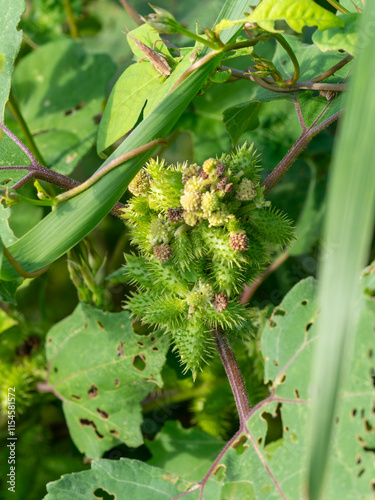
x=209, y=166
x=163, y=21
x=218, y=218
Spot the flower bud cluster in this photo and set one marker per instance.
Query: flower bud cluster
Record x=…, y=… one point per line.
x=203, y=232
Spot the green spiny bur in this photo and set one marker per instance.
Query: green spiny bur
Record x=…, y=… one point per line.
x=203, y=232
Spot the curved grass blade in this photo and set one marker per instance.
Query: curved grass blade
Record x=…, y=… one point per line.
x=347, y=238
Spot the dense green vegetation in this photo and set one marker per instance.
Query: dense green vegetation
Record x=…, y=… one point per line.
x=246, y=226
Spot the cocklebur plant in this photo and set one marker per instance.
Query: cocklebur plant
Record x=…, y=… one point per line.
x=201, y=232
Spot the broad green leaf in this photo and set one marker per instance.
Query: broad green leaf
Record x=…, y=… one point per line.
x=297, y=13
x=11, y=155
x=126, y=102
x=6, y=233
x=309, y=223
x=102, y=371
x=339, y=38
x=124, y=479
x=256, y=469
x=187, y=453
x=240, y=119
x=288, y=347
x=60, y=89
x=348, y=232
x=7, y=288
x=10, y=41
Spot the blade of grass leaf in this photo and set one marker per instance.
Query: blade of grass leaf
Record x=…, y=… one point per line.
x=347, y=239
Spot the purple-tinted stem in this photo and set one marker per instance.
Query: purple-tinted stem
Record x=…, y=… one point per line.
x=38, y=171
x=296, y=150
x=234, y=375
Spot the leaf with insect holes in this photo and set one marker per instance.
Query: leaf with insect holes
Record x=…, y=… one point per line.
x=339, y=38
x=261, y=466
x=124, y=479
x=60, y=89
x=102, y=371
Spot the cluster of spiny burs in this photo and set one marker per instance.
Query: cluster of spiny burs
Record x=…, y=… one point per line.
x=202, y=232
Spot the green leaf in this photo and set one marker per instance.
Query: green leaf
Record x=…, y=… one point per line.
x=126, y=102
x=348, y=232
x=102, y=371
x=11, y=155
x=339, y=38
x=123, y=479
x=10, y=41
x=2, y=62
x=187, y=453
x=297, y=13
x=240, y=119
x=310, y=221
x=60, y=89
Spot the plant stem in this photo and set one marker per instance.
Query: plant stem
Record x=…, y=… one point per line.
x=110, y=166
x=38, y=171
x=13, y=106
x=332, y=70
x=297, y=149
x=288, y=49
x=339, y=7
x=234, y=375
x=308, y=85
x=70, y=17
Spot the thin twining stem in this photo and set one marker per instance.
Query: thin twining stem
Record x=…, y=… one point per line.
x=332, y=70
x=308, y=85
x=38, y=171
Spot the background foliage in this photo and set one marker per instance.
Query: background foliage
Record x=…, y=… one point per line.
x=62, y=86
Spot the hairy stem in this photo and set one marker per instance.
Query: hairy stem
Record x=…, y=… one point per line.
x=110, y=166
x=234, y=375
x=297, y=149
x=38, y=171
x=332, y=70
x=13, y=106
